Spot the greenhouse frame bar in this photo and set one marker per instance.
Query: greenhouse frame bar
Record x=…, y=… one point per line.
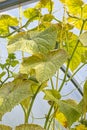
x=10, y=4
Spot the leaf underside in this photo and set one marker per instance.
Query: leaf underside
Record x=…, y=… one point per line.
x=4, y=127
x=44, y=67
x=29, y=127
x=35, y=42
x=13, y=93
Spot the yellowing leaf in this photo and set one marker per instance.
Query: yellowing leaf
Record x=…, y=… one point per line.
x=1, y=101
x=68, y=41
x=25, y=103
x=77, y=58
x=32, y=13
x=83, y=38
x=29, y=127
x=84, y=12
x=3, y=127
x=44, y=25
x=61, y=118
x=85, y=98
x=5, y=22
x=47, y=18
x=77, y=23
x=63, y=29
x=45, y=4
x=74, y=6
x=34, y=42
x=51, y=95
x=81, y=127
x=14, y=93
x=70, y=111
x=69, y=46
x=78, y=20
x=44, y=67
x=84, y=57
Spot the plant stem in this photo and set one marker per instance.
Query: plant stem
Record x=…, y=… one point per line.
x=57, y=20
x=69, y=60
x=24, y=113
x=31, y=104
x=73, y=16
x=52, y=83
x=64, y=76
x=50, y=7
x=76, y=71
x=50, y=123
x=20, y=15
x=69, y=93
x=2, y=82
x=51, y=119
x=48, y=116
x=57, y=80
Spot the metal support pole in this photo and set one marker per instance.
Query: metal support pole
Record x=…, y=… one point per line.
x=10, y=4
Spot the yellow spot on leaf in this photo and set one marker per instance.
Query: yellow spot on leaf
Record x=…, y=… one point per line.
x=81, y=127
x=61, y=118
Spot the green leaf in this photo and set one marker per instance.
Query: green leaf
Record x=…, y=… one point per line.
x=29, y=127
x=51, y=95
x=70, y=111
x=11, y=60
x=83, y=38
x=5, y=22
x=44, y=67
x=2, y=66
x=3, y=127
x=11, y=56
x=32, y=13
x=2, y=74
x=47, y=18
x=14, y=63
x=13, y=93
x=34, y=43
